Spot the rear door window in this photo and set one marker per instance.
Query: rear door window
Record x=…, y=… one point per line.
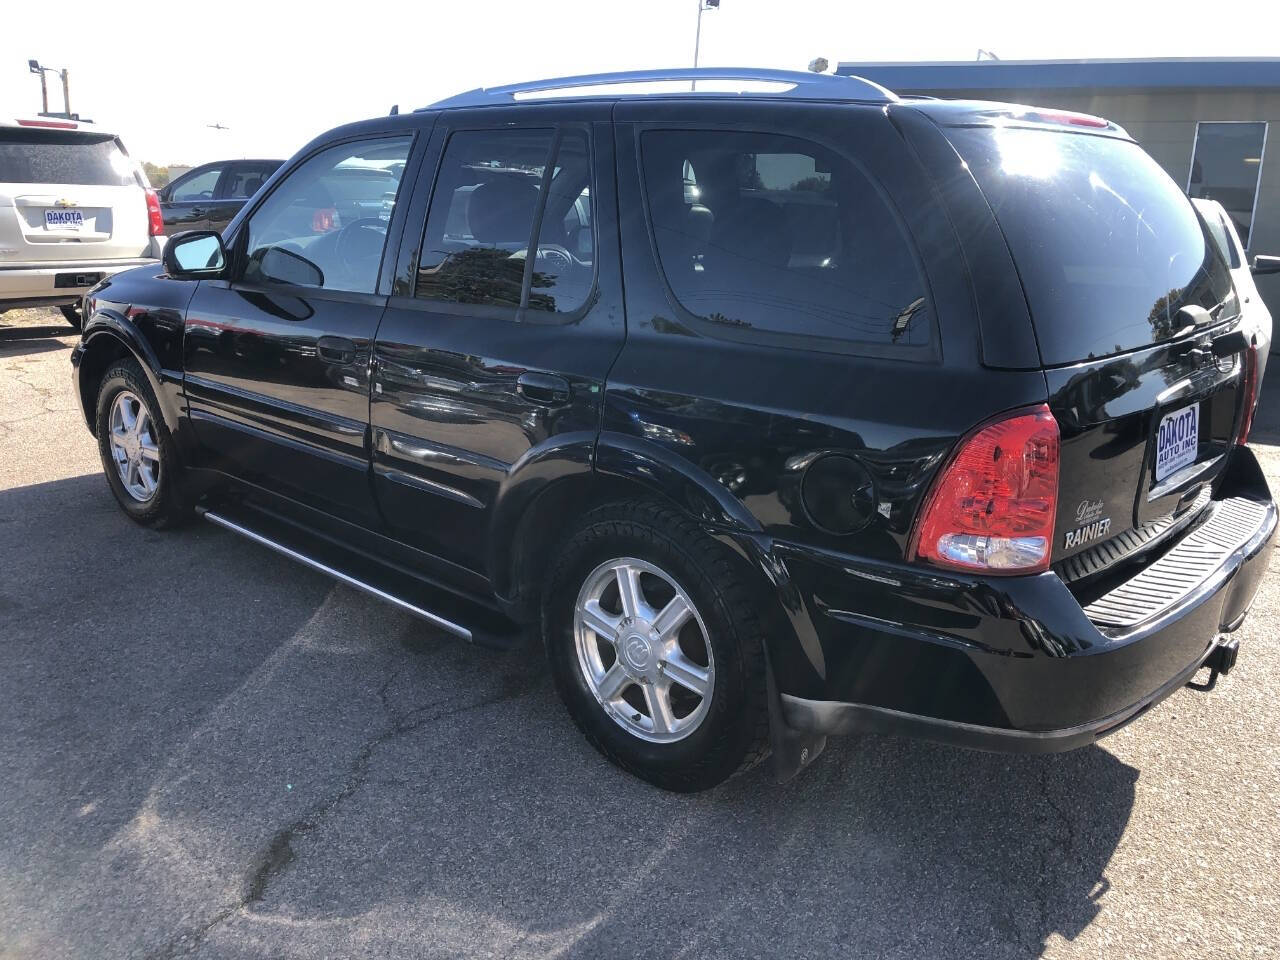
x=493, y=187
x=63, y=156
x=1108, y=248
x=779, y=238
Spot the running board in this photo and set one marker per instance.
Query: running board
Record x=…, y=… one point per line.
x=431, y=618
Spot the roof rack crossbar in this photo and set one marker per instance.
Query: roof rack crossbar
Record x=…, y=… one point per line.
x=802, y=86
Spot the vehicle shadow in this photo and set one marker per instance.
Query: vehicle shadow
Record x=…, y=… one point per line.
x=114, y=642
x=497, y=825
x=16, y=340
x=233, y=739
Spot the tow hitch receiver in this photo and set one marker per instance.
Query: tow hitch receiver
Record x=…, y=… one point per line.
x=1220, y=661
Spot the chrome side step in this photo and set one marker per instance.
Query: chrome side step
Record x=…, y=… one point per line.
x=434, y=619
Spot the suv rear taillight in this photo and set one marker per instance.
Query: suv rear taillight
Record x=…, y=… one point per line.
x=992, y=507
x=155, y=217
x=1250, y=392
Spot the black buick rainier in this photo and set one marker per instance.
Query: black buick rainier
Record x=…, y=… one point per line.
x=780, y=406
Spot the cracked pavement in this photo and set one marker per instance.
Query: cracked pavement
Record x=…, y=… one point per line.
x=208, y=751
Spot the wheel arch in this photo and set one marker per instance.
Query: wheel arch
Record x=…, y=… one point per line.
x=108, y=338
x=552, y=485
x=540, y=504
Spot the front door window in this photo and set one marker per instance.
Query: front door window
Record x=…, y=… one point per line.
x=326, y=224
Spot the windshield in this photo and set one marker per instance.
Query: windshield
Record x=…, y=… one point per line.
x=62, y=156
x=1108, y=249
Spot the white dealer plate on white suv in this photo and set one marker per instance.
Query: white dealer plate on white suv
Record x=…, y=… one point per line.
x=62, y=219
x=1177, y=440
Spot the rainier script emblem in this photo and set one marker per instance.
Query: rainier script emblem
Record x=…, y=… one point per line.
x=1090, y=531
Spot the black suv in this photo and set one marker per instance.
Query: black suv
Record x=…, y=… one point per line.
x=783, y=413
x=209, y=197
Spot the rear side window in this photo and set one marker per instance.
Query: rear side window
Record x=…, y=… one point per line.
x=493, y=187
x=244, y=181
x=1108, y=248
x=63, y=156
x=782, y=238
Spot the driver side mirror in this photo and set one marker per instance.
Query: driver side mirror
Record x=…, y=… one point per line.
x=1262, y=264
x=195, y=254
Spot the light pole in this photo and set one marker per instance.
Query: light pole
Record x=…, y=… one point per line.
x=697, y=37
x=34, y=67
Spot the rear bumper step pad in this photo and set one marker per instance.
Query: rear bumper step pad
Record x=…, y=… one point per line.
x=1160, y=586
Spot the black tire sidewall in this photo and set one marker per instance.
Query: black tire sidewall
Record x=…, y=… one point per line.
x=71, y=313
x=715, y=750
x=165, y=507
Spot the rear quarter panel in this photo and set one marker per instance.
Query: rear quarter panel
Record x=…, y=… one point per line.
x=750, y=419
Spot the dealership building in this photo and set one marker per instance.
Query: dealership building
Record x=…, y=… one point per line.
x=1204, y=120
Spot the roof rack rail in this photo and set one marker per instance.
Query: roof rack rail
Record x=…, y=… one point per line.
x=792, y=84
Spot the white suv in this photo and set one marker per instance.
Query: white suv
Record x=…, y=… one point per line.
x=74, y=208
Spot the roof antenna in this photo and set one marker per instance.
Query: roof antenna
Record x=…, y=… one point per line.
x=395, y=110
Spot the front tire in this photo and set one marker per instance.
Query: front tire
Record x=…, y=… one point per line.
x=137, y=451
x=656, y=647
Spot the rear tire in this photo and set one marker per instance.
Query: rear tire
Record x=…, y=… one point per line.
x=73, y=314
x=137, y=451
x=631, y=682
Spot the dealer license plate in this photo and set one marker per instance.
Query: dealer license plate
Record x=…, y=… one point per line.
x=63, y=219
x=1177, y=441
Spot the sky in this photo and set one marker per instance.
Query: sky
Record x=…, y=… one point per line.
x=277, y=73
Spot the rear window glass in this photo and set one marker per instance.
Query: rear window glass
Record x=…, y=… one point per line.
x=782, y=239
x=1108, y=247
x=62, y=156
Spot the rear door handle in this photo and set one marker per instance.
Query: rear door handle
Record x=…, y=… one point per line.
x=336, y=349
x=544, y=388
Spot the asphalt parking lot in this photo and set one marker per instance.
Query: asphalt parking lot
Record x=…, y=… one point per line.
x=209, y=751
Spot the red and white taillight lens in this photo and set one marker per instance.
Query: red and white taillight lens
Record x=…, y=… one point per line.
x=155, y=218
x=992, y=507
x=1250, y=390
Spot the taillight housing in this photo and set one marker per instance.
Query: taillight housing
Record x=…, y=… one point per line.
x=993, y=505
x=1250, y=390
x=155, y=218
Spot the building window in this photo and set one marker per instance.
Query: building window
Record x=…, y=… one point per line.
x=1226, y=165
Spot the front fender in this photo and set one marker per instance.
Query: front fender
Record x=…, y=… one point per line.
x=108, y=336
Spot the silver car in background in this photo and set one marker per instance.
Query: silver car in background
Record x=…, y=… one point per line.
x=74, y=209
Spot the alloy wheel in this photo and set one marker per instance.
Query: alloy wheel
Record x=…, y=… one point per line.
x=644, y=650
x=132, y=435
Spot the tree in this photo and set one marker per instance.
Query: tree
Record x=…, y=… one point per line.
x=157, y=176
